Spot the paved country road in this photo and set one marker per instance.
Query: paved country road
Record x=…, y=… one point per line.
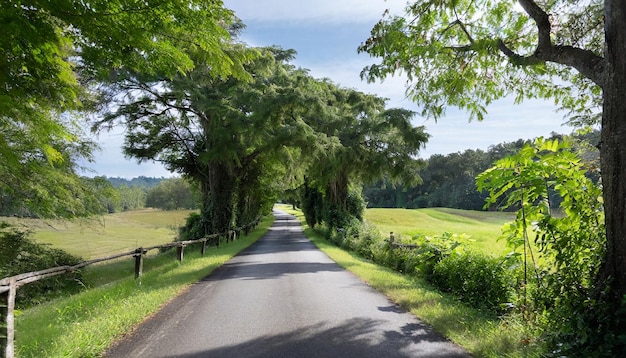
x=282, y=297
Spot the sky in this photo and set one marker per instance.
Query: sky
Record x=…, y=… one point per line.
x=325, y=35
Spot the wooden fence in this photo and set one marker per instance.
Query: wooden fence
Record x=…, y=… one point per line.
x=9, y=285
x=392, y=242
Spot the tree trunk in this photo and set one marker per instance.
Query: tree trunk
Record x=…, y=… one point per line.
x=219, y=206
x=613, y=149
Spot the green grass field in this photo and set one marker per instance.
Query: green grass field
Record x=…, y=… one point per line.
x=483, y=227
x=108, y=234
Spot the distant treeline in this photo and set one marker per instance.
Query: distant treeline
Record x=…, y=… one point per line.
x=140, y=181
x=449, y=180
x=111, y=195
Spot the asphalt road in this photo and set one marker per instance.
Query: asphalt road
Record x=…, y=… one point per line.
x=282, y=297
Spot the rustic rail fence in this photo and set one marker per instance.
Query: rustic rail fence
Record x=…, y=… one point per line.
x=9, y=285
x=392, y=242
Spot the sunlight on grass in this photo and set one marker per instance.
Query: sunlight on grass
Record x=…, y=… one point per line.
x=484, y=228
x=86, y=324
x=108, y=234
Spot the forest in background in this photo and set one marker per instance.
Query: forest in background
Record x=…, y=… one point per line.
x=449, y=181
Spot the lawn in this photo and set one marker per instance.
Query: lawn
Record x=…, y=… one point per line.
x=483, y=227
x=108, y=234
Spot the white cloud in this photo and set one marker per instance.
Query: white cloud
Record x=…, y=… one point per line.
x=319, y=11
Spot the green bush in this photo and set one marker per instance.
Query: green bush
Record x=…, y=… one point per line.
x=193, y=228
x=21, y=254
x=431, y=250
x=476, y=278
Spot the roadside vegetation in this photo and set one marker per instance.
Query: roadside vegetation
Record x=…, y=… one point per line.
x=481, y=331
x=541, y=285
x=112, y=302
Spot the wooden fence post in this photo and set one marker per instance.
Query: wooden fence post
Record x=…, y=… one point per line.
x=391, y=237
x=179, y=252
x=139, y=263
x=7, y=320
x=203, y=248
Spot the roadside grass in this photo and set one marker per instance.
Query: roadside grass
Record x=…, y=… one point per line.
x=87, y=323
x=108, y=234
x=484, y=228
x=481, y=333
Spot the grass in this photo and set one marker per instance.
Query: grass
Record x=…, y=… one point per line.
x=481, y=333
x=484, y=228
x=86, y=324
x=106, y=235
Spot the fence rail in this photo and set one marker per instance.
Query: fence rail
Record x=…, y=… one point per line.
x=9, y=285
x=392, y=242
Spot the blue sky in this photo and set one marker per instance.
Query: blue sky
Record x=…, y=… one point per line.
x=326, y=34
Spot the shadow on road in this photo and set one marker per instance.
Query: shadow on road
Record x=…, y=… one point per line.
x=264, y=271
x=349, y=338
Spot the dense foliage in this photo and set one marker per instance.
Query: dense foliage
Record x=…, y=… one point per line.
x=447, y=181
x=172, y=194
x=564, y=275
x=22, y=254
x=365, y=142
x=56, y=58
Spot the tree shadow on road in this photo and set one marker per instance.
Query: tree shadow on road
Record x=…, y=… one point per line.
x=272, y=270
x=355, y=338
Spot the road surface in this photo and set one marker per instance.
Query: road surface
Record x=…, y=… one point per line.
x=282, y=297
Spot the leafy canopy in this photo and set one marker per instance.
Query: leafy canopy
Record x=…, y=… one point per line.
x=468, y=54
x=54, y=54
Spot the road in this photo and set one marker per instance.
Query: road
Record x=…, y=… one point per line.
x=282, y=297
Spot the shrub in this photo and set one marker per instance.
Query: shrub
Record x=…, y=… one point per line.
x=431, y=250
x=193, y=228
x=476, y=278
x=21, y=254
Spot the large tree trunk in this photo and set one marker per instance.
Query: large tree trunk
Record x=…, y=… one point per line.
x=220, y=204
x=613, y=147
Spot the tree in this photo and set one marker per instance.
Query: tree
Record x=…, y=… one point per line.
x=219, y=131
x=107, y=196
x=469, y=53
x=35, y=182
x=367, y=143
x=172, y=194
x=54, y=55
x=132, y=198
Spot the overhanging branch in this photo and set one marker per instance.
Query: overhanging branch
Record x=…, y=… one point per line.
x=584, y=61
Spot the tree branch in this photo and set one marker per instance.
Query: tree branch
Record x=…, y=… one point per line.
x=586, y=62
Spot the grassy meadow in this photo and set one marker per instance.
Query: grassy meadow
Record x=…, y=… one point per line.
x=482, y=227
x=108, y=234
